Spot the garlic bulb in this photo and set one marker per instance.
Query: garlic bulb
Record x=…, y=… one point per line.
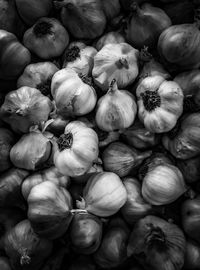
x=50, y=174
x=122, y=159
x=116, y=109
x=145, y=25
x=109, y=38
x=24, y=108
x=76, y=150
x=160, y=103
x=38, y=75
x=47, y=38
x=112, y=251
x=115, y=61
x=73, y=93
x=139, y=137
x=163, y=184
x=153, y=68
x=25, y=249
x=49, y=210
x=103, y=195
x=157, y=244
x=135, y=207
x=84, y=19
x=31, y=151
x=111, y=8
x=79, y=57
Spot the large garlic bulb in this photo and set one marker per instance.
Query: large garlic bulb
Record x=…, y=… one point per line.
x=115, y=61
x=116, y=109
x=163, y=184
x=103, y=195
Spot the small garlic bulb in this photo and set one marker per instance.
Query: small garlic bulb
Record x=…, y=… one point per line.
x=163, y=184
x=116, y=109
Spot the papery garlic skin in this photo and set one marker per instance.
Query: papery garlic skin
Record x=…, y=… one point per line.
x=77, y=149
x=109, y=38
x=111, y=8
x=122, y=159
x=157, y=244
x=115, y=61
x=25, y=107
x=31, y=151
x=72, y=94
x=103, y=195
x=145, y=25
x=50, y=174
x=83, y=19
x=25, y=249
x=38, y=75
x=85, y=233
x=47, y=38
x=185, y=142
x=115, y=110
x=160, y=103
x=79, y=57
x=112, y=251
x=135, y=207
x=49, y=210
x=163, y=184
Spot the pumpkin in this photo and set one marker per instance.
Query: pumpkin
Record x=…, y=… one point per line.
x=47, y=38
x=160, y=103
x=30, y=11
x=38, y=75
x=79, y=57
x=49, y=210
x=77, y=149
x=73, y=93
x=14, y=57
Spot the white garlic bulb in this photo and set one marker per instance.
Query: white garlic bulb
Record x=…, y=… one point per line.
x=115, y=61
x=163, y=184
x=116, y=109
